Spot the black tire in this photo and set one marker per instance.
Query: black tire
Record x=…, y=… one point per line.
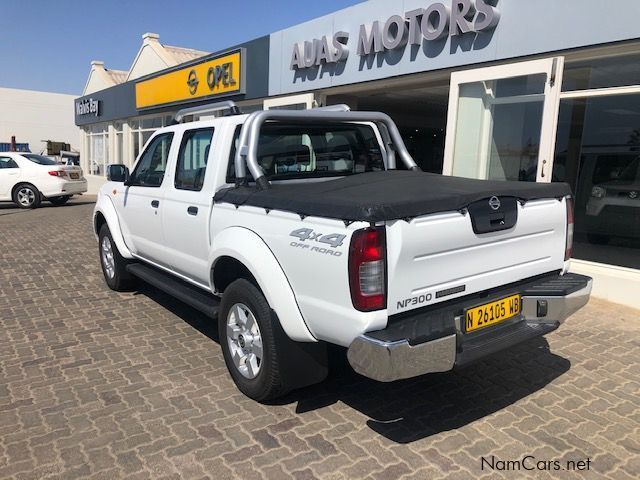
x=117, y=277
x=598, y=239
x=26, y=196
x=59, y=201
x=269, y=382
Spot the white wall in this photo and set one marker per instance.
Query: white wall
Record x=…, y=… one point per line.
x=610, y=282
x=147, y=61
x=35, y=116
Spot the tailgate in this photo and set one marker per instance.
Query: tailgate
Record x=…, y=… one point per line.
x=438, y=257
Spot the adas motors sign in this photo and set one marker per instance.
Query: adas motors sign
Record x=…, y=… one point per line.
x=88, y=107
x=433, y=23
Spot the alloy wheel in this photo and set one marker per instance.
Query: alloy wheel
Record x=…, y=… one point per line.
x=106, y=252
x=244, y=340
x=26, y=196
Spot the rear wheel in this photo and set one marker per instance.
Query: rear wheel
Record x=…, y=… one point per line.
x=114, y=265
x=26, y=195
x=58, y=201
x=248, y=342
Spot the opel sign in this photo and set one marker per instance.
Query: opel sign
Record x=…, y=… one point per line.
x=192, y=82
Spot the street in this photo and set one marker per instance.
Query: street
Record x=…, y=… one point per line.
x=96, y=384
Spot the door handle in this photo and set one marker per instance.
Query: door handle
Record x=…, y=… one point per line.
x=192, y=210
x=155, y=203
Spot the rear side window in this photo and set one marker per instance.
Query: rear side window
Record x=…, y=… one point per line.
x=192, y=159
x=39, y=159
x=8, y=162
x=231, y=168
x=149, y=171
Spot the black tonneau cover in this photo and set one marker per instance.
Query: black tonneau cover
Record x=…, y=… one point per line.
x=389, y=195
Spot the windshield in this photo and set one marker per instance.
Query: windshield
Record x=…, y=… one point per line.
x=632, y=172
x=39, y=159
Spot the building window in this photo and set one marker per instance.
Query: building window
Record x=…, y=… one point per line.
x=598, y=154
x=118, y=154
x=617, y=71
x=98, y=149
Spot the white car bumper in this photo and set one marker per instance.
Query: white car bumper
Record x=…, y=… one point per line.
x=66, y=187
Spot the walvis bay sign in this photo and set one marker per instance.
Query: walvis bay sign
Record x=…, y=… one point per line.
x=435, y=22
x=88, y=106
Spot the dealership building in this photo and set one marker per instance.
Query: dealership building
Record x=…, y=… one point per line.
x=544, y=91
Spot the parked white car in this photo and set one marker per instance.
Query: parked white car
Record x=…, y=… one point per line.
x=298, y=229
x=26, y=179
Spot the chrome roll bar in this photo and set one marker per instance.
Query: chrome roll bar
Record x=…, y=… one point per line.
x=208, y=108
x=248, y=145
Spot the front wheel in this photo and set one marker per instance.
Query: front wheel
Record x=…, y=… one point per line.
x=248, y=342
x=58, y=201
x=114, y=265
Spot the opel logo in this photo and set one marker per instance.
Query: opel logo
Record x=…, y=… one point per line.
x=633, y=194
x=192, y=82
x=494, y=203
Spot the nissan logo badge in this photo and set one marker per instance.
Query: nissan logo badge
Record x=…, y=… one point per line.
x=494, y=203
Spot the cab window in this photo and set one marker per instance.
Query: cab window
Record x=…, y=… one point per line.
x=192, y=159
x=149, y=171
x=8, y=162
x=312, y=151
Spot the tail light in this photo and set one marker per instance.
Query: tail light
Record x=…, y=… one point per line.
x=57, y=173
x=367, y=269
x=568, y=252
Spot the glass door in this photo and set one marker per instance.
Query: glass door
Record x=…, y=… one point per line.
x=501, y=121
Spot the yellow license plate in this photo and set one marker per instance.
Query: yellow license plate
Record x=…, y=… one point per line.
x=74, y=176
x=492, y=313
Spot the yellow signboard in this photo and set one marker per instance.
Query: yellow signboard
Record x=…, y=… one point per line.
x=219, y=76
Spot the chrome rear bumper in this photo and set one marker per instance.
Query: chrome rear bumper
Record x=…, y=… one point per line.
x=388, y=361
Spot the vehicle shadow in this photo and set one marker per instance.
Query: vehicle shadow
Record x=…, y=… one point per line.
x=10, y=207
x=413, y=409
x=409, y=410
x=205, y=325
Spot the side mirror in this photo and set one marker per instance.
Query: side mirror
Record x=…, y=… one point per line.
x=117, y=173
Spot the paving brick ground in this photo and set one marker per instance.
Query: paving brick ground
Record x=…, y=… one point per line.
x=95, y=384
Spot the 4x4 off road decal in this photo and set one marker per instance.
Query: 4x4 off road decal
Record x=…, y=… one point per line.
x=333, y=240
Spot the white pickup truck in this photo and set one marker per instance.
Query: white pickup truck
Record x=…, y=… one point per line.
x=295, y=229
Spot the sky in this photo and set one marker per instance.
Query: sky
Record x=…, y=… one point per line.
x=48, y=45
